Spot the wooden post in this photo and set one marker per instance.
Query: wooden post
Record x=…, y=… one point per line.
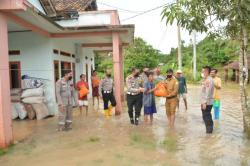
x=6, y=137
x=117, y=72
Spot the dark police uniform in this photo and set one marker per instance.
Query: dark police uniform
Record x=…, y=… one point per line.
x=134, y=97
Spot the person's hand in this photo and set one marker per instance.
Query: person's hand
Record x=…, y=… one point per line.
x=204, y=106
x=61, y=108
x=142, y=89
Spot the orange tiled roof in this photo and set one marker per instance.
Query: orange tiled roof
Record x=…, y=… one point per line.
x=55, y=7
x=78, y=5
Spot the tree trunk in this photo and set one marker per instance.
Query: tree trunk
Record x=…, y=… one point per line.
x=243, y=81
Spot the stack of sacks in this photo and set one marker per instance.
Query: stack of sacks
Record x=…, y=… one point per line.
x=15, y=95
x=35, y=103
x=18, y=111
x=17, y=107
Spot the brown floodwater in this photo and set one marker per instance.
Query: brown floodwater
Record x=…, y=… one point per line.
x=96, y=140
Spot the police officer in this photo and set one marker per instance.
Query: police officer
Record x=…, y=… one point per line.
x=65, y=97
x=106, y=91
x=134, y=95
x=172, y=86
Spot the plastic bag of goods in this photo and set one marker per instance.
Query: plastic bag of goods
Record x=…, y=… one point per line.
x=41, y=111
x=34, y=100
x=161, y=90
x=22, y=113
x=14, y=111
x=83, y=91
x=37, y=92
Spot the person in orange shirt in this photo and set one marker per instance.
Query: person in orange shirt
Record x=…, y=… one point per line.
x=95, y=87
x=82, y=100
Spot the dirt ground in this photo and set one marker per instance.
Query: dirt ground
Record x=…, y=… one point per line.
x=96, y=140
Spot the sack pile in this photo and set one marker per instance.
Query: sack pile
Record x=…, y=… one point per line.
x=31, y=103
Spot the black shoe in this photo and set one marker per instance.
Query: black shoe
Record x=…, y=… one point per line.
x=132, y=121
x=136, y=121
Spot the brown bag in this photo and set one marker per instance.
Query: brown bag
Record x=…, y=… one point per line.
x=30, y=111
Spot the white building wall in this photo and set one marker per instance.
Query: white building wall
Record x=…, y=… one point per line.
x=36, y=60
x=88, y=19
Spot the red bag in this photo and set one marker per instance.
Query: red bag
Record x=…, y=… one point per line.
x=161, y=90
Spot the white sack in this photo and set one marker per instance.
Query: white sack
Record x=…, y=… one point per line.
x=37, y=92
x=34, y=100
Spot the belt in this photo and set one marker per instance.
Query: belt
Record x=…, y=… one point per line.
x=133, y=94
x=171, y=97
x=107, y=91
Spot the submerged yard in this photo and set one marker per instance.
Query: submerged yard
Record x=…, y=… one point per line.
x=96, y=140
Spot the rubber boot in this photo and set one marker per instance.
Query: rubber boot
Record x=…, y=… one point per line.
x=106, y=113
x=110, y=110
x=132, y=121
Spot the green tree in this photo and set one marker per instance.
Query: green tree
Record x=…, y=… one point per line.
x=140, y=55
x=200, y=15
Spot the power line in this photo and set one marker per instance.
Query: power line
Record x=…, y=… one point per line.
x=147, y=11
x=122, y=9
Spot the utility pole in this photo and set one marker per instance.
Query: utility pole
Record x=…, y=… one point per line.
x=179, y=45
x=194, y=56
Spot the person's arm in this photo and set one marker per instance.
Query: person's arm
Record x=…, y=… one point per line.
x=175, y=91
x=129, y=86
x=58, y=95
x=208, y=86
x=100, y=88
x=185, y=85
x=218, y=84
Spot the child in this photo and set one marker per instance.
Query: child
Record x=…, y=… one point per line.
x=149, y=99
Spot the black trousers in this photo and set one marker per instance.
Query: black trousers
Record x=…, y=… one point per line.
x=134, y=103
x=108, y=97
x=207, y=118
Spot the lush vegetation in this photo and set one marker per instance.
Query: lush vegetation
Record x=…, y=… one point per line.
x=211, y=51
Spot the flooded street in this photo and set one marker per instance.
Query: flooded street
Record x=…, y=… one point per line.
x=96, y=140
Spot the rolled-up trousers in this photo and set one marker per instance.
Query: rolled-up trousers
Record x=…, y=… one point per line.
x=65, y=116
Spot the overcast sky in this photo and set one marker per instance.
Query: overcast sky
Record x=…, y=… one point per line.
x=148, y=26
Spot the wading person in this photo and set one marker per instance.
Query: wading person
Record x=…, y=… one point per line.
x=95, y=87
x=182, y=92
x=217, y=88
x=82, y=87
x=207, y=93
x=171, y=98
x=106, y=89
x=159, y=78
x=149, y=98
x=134, y=95
x=65, y=97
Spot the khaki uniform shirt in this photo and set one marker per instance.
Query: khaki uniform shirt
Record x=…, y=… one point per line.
x=106, y=84
x=64, y=92
x=172, y=86
x=134, y=83
x=207, y=91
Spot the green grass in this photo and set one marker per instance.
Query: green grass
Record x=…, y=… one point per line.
x=94, y=139
x=7, y=150
x=142, y=142
x=170, y=144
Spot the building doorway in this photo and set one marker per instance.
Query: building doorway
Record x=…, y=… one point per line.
x=15, y=74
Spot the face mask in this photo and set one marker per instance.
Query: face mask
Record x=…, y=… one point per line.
x=169, y=76
x=70, y=77
x=202, y=75
x=108, y=75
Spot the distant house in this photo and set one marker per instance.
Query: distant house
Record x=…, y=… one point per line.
x=234, y=67
x=45, y=38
